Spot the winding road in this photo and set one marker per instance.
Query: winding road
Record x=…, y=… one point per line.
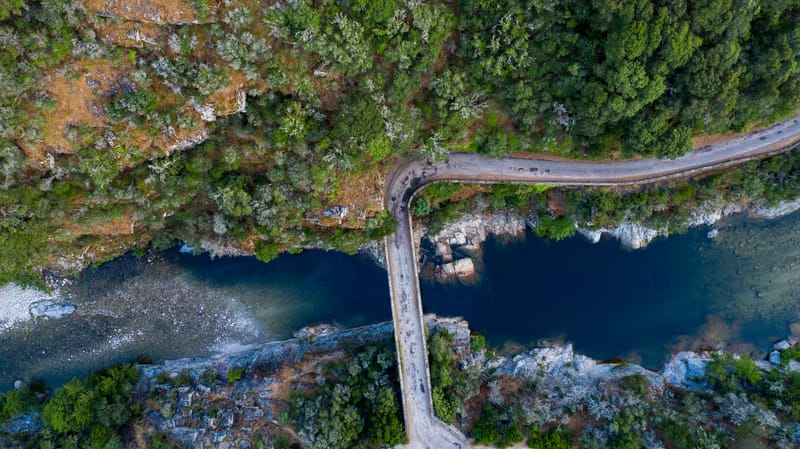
x=423, y=428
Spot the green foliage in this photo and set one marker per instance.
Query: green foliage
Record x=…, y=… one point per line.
x=340, y=87
x=209, y=377
x=624, y=434
x=645, y=73
x=90, y=412
x=485, y=431
x=421, y=207
x=11, y=7
x=554, y=228
x=636, y=383
x=159, y=441
x=725, y=373
x=203, y=8
x=16, y=402
x=790, y=354
x=136, y=106
x=444, y=405
x=357, y=404
x=555, y=438
x=243, y=51
x=235, y=373
x=477, y=343
x=266, y=252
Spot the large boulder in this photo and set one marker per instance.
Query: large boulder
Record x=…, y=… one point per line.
x=686, y=370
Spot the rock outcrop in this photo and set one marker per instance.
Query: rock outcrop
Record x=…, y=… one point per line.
x=470, y=230
x=453, y=255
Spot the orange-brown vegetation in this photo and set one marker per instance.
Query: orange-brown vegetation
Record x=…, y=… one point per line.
x=362, y=194
x=131, y=34
x=79, y=101
x=176, y=12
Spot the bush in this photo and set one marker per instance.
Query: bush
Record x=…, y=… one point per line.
x=444, y=406
x=421, y=208
x=555, y=438
x=790, y=354
x=159, y=441
x=91, y=412
x=477, y=343
x=235, y=374
x=16, y=402
x=357, y=403
x=554, y=228
x=636, y=383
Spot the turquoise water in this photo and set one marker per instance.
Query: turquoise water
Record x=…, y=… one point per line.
x=684, y=292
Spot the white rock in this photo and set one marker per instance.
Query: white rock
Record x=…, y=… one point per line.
x=635, y=235
x=712, y=234
x=592, y=236
x=774, y=358
x=765, y=365
x=206, y=111
x=458, y=238
x=784, y=208
x=793, y=365
x=684, y=369
x=781, y=346
x=464, y=268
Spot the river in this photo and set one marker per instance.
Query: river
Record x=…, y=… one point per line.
x=683, y=292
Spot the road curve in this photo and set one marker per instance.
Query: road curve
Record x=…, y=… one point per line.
x=423, y=428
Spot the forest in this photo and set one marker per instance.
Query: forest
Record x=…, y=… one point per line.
x=247, y=128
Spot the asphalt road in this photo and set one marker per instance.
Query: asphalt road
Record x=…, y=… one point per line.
x=423, y=428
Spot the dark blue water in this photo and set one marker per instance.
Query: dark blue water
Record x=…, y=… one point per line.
x=737, y=292
x=294, y=291
x=608, y=301
x=685, y=292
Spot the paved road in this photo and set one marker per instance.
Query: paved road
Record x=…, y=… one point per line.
x=423, y=428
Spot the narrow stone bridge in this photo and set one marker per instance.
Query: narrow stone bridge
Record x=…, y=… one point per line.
x=423, y=428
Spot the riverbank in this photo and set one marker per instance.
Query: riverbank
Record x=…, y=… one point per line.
x=453, y=254
x=201, y=306
x=243, y=399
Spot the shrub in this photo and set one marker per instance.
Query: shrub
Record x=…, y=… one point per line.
x=235, y=374
x=444, y=406
x=636, y=383
x=421, y=207
x=555, y=438
x=554, y=228
x=209, y=377
x=790, y=354
x=16, y=402
x=477, y=343
x=159, y=441
x=90, y=412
